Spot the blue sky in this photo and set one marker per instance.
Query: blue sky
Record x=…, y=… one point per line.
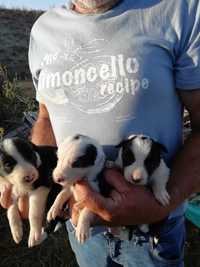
x=35, y=4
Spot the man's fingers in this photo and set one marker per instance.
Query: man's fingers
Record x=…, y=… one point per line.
x=116, y=180
x=91, y=199
x=5, y=197
x=83, y=190
x=87, y=196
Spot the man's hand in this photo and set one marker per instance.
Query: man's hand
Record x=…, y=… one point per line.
x=96, y=202
x=6, y=199
x=5, y=194
x=127, y=205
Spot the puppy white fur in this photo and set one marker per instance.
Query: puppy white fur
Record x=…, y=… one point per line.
x=23, y=175
x=140, y=159
x=79, y=157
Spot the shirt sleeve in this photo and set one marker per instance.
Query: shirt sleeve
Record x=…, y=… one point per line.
x=34, y=66
x=187, y=67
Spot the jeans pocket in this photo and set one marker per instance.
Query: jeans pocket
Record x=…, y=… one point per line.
x=161, y=261
x=168, y=249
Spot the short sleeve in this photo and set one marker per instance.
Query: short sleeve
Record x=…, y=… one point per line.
x=34, y=65
x=187, y=67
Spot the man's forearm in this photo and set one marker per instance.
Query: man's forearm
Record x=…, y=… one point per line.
x=185, y=175
x=42, y=133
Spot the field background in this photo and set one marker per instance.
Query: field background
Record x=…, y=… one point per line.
x=15, y=26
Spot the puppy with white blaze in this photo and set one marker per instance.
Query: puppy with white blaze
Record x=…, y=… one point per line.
x=29, y=169
x=79, y=157
x=140, y=158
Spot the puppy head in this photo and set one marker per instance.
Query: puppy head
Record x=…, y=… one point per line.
x=79, y=156
x=139, y=156
x=18, y=162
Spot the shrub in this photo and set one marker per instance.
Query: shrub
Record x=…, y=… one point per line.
x=13, y=103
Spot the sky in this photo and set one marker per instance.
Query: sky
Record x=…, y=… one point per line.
x=34, y=4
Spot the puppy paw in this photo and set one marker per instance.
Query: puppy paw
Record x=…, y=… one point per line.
x=163, y=197
x=17, y=232
x=44, y=235
x=82, y=233
x=54, y=211
x=35, y=238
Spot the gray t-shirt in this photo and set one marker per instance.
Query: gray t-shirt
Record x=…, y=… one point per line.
x=114, y=74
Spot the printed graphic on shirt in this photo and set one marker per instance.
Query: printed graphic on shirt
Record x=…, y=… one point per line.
x=91, y=81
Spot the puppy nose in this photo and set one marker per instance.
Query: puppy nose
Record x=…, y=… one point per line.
x=137, y=176
x=57, y=177
x=60, y=180
x=31, y=177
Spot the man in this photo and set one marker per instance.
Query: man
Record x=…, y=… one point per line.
x=108, y=69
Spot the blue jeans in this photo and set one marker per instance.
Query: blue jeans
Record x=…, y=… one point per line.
x=104, y=250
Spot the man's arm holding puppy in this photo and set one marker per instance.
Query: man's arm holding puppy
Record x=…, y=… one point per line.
x=42, y=133
x=130, y=204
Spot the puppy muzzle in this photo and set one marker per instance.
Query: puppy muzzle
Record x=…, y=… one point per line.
x=30, y=177
x=137, y=176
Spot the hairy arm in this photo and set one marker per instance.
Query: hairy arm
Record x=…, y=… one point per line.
x=129, y=204
x=42, y=133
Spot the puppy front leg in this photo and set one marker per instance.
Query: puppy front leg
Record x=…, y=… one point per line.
x=15, y=223
x=159, y=184
x=57, y=206
x=83, y=226
x=37, y=203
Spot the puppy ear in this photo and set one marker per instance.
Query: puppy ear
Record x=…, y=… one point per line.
x=35, y=148
x=132, y=136
x=162, y=147
x=39, y=162
x=86, y=160
x=126, y=141
x=33, y=145
x=122, y=143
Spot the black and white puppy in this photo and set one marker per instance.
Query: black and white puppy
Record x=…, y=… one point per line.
x=140, y=158
x=29, y=169
x=79, y=157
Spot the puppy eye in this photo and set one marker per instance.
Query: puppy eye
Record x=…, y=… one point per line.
x=128, y=157
x=8, y=166
x=8, y=163
x=76, y=137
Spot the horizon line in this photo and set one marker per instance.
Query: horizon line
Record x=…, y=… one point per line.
x=23, y=7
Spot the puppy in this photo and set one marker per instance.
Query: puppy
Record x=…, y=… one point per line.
x=29, y=169
x=79, y=157
x=140, y=158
